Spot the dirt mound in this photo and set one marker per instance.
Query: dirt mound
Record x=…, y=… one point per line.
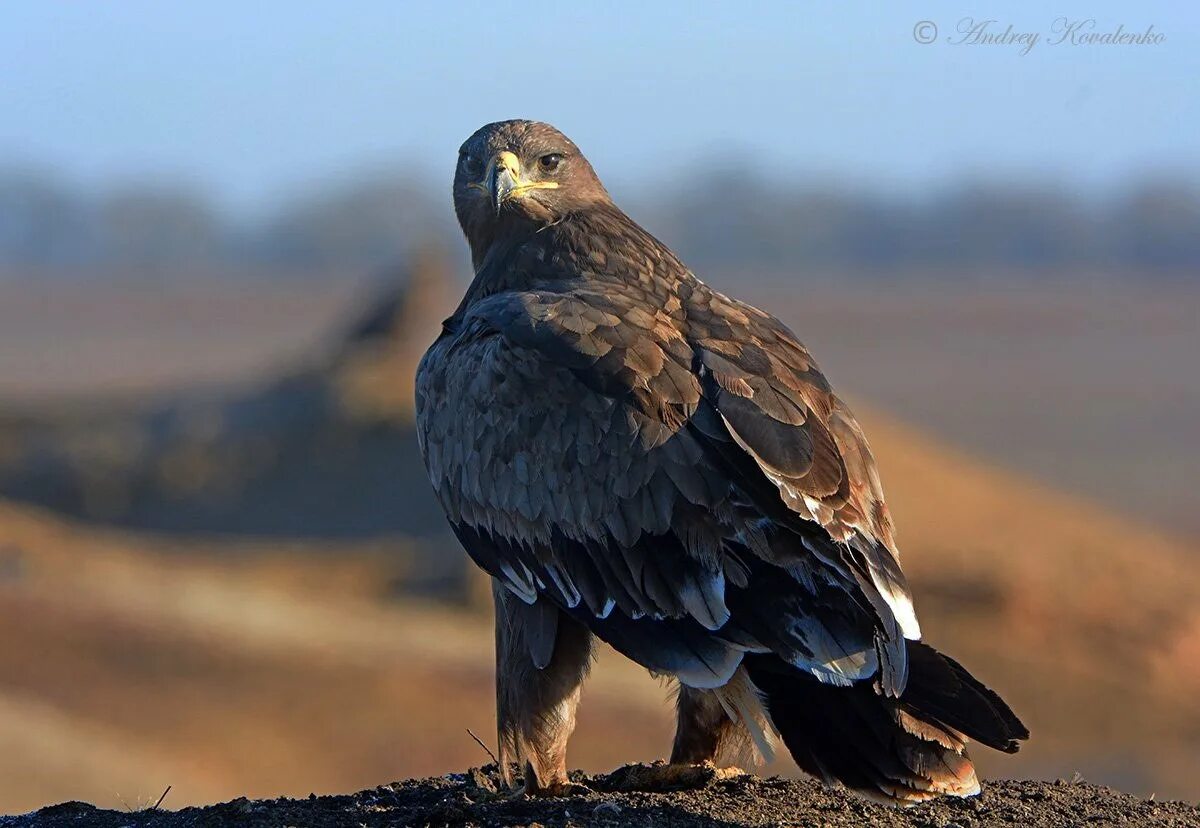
x=322, y=448
x=475, y=799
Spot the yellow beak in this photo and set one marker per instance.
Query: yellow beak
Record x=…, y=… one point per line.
x=502, y=180
x=503, y=177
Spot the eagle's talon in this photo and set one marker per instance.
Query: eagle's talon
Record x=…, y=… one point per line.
x=663, y=776
x=554, y=789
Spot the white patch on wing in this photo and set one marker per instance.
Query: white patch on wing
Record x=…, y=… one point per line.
x=901, y=604
x=852, y=667
x=832, y=660
x=518, y=586
x=565, y=585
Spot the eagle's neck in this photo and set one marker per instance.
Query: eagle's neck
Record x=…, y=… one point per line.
x=491, y=242
x=497, y=268
x=599, y=244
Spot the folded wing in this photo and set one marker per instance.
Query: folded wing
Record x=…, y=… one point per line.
x=681, y=479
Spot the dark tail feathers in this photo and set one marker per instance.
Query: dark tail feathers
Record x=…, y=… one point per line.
x=902, y=750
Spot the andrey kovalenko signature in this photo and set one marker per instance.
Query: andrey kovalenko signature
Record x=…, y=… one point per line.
x=1063, y=31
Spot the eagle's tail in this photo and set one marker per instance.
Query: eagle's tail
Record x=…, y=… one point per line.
x=902, y=750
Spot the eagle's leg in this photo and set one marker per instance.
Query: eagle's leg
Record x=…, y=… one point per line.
x=701, y=726
x=703, y=731
x=535, y=705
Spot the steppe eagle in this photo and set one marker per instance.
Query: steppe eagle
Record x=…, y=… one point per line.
x=634, y=456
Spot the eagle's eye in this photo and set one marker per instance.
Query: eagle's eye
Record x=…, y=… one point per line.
x=550, y=161
x=471, y=165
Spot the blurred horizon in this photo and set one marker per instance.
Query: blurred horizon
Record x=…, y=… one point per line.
x=725, y=219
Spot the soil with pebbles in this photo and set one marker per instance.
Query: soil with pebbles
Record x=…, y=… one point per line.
x=476, y=798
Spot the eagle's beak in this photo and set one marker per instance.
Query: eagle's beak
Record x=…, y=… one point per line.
x=503, y=178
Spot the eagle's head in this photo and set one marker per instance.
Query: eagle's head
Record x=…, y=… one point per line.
x=519, y=175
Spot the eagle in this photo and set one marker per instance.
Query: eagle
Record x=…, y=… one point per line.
x=636, y=458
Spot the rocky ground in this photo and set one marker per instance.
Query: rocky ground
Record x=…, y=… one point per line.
x=476, y=799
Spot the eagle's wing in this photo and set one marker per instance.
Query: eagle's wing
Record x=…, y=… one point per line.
x=690, y=495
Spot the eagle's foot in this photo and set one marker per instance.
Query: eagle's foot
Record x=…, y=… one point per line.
x=554, y=788
x=663, y=776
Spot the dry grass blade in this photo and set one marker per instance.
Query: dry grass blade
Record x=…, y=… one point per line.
x=154, y=807
x=486, y=749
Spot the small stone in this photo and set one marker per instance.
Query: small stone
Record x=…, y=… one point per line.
x=607, y=810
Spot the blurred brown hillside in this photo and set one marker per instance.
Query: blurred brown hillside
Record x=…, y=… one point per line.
x=132, y=661
x=243, y=404
x=322, y=450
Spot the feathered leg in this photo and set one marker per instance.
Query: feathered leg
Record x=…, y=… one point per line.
x=542, y=658
x=729, y=723
x=711, y=726
x=701, y=726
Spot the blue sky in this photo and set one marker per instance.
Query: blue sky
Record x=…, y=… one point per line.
x=253, y=101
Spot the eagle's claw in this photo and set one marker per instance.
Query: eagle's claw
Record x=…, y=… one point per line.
x=662, y=776
x=554, y=789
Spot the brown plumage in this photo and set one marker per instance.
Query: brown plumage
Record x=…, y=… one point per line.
x=632, y=455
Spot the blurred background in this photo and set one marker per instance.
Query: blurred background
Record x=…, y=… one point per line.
x=226, y=239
